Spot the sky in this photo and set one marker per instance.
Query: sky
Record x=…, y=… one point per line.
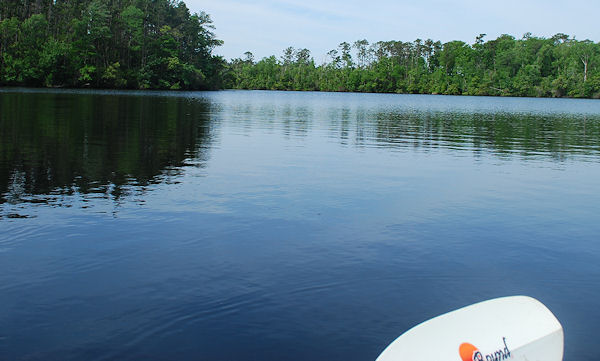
x=267, y=27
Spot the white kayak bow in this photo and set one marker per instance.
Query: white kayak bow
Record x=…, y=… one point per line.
x=509, y=328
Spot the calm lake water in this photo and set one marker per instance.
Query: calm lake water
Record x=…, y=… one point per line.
x=250, y=225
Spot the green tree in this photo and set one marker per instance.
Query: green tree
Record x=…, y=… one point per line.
x=121, y=43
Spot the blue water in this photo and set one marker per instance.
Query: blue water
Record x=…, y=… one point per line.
x=250, y=225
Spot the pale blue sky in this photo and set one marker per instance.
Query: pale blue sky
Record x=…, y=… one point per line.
x=266, y=27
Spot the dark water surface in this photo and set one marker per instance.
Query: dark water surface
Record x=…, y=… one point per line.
x=286, y=226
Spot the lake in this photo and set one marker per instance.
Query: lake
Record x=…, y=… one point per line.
x=257, y=225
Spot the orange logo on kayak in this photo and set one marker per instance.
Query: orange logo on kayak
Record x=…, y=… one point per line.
x=469, y=352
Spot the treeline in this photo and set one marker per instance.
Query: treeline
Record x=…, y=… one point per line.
x=142, y=44
x=159, y=44
x=560, y=66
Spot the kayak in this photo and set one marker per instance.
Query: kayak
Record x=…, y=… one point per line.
x=507, y=328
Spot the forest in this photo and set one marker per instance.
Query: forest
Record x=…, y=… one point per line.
x=160, y=44
x=138, y=44
x=560, y=66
